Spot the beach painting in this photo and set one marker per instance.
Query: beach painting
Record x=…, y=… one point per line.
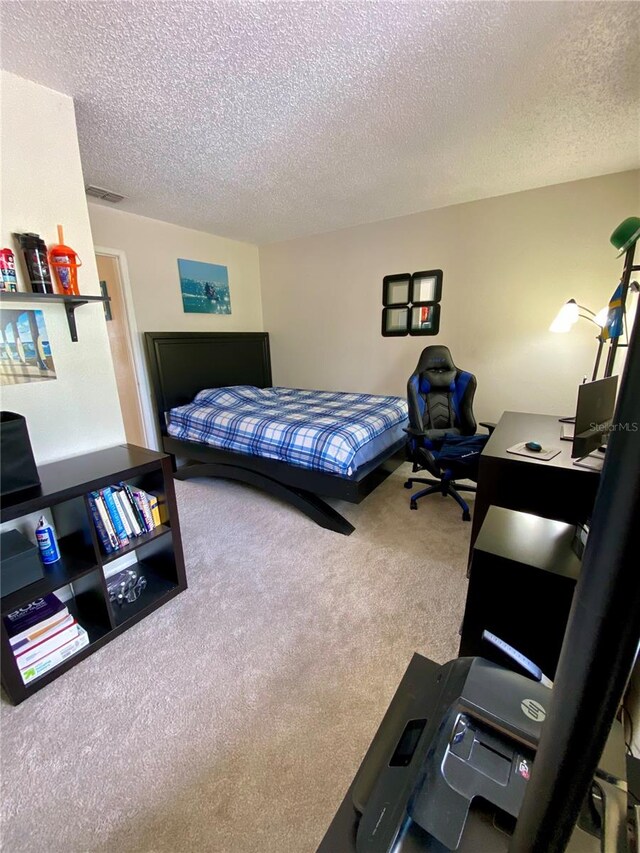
x=205, y=287
x=25, y=354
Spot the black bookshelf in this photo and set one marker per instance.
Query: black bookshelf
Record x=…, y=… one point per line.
x=158, y=555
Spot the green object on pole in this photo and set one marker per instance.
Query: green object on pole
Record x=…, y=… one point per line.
x=626, y=234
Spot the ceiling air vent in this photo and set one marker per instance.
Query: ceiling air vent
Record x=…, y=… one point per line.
x=105, y=195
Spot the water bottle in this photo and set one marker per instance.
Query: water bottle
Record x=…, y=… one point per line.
x=65, y=262
x=47, y=544
x=35, y=256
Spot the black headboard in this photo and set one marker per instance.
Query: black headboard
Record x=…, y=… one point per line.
x=183, y=363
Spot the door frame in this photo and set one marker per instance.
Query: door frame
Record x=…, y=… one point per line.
x=135, y=342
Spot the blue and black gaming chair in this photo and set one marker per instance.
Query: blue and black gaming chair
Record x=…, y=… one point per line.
x=442, y=428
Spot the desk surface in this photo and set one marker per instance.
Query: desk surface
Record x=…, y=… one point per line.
x=553, y=488
x=515, y=427
x=529, y=539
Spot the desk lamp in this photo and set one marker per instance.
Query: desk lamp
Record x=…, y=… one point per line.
x=612, y=319
x=568, y=316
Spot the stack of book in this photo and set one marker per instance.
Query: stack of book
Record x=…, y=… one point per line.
x=122, y=513
x=42, y=634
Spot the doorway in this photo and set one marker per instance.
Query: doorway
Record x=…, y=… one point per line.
x=121, y=337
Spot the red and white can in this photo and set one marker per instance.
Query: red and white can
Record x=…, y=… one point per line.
x=8, y=280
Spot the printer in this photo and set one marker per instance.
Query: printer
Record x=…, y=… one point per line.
x=450, y=769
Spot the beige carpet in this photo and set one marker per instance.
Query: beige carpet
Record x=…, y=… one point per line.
x=234, y=718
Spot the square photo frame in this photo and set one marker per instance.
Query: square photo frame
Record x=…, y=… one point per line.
x=395, y=321
x=396, y=289
x=425, y=319
x=426, y=287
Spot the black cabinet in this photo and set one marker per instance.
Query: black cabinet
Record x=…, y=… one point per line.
x=63, y=498
x=522, y=578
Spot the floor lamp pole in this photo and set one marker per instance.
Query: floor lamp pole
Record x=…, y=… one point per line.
x=625, y=281
x=598, y=354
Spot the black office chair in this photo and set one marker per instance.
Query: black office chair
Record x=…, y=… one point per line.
x=442, y=428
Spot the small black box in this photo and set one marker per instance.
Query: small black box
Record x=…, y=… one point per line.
x=19, y=562
x=18, y=470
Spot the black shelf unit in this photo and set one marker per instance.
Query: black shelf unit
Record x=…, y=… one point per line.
x=63, y=496
x=70, y=303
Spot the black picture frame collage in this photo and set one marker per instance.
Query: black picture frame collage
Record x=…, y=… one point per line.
x=411, y=303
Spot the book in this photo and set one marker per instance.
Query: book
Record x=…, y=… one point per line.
x=117, y=499
x=107, y=537
x=159, y=500
x=114, y=515
x=134, y=506
x=142, y=500
x=136, y=530
x=27, y=622
x=54, y=658
x=46, y=633
x=44, y=647
x=155, y=511
x=106, y=520
x=38, y=631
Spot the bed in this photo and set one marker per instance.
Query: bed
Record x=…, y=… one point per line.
x=203, y=382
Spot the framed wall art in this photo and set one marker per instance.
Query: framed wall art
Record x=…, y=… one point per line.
x=205, y=287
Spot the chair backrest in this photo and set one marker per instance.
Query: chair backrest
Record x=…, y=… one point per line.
x=440, y=395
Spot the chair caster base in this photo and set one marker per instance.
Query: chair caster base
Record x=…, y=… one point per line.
x=408, y=484
x=413, y=505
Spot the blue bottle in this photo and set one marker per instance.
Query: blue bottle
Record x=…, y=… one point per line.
x=49, y=551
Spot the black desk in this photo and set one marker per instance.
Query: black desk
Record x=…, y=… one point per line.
x=555, y=488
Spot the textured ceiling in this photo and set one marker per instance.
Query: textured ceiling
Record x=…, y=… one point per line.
x=264, y=121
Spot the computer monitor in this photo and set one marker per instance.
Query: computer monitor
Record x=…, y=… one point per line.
x=594, y=413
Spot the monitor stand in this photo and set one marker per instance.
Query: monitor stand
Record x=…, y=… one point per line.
x=591, y=462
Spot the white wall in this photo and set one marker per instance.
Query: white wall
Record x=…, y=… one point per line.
x=42, y=185
x=152, y=250
x=509, y=263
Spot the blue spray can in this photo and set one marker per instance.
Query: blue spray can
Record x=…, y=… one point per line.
x=49, y=551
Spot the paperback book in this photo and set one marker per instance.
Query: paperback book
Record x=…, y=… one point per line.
x=27, y=623
x=44, y=664
x=102, y=522
x=115, y=516
x=43, y=634
x=49, y=643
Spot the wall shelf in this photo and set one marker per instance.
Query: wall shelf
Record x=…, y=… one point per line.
x=70, y=303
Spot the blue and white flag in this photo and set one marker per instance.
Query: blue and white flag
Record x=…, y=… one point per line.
x=613, y=327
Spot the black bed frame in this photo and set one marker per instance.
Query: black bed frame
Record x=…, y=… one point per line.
x=183, y=363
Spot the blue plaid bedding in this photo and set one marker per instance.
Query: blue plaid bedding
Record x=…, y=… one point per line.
x=314, y=429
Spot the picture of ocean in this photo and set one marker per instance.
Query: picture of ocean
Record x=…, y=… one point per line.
x=205, y=287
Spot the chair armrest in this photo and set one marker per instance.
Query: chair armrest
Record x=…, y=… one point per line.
x=416, y=433
x=488, y=425
x=427, y=461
